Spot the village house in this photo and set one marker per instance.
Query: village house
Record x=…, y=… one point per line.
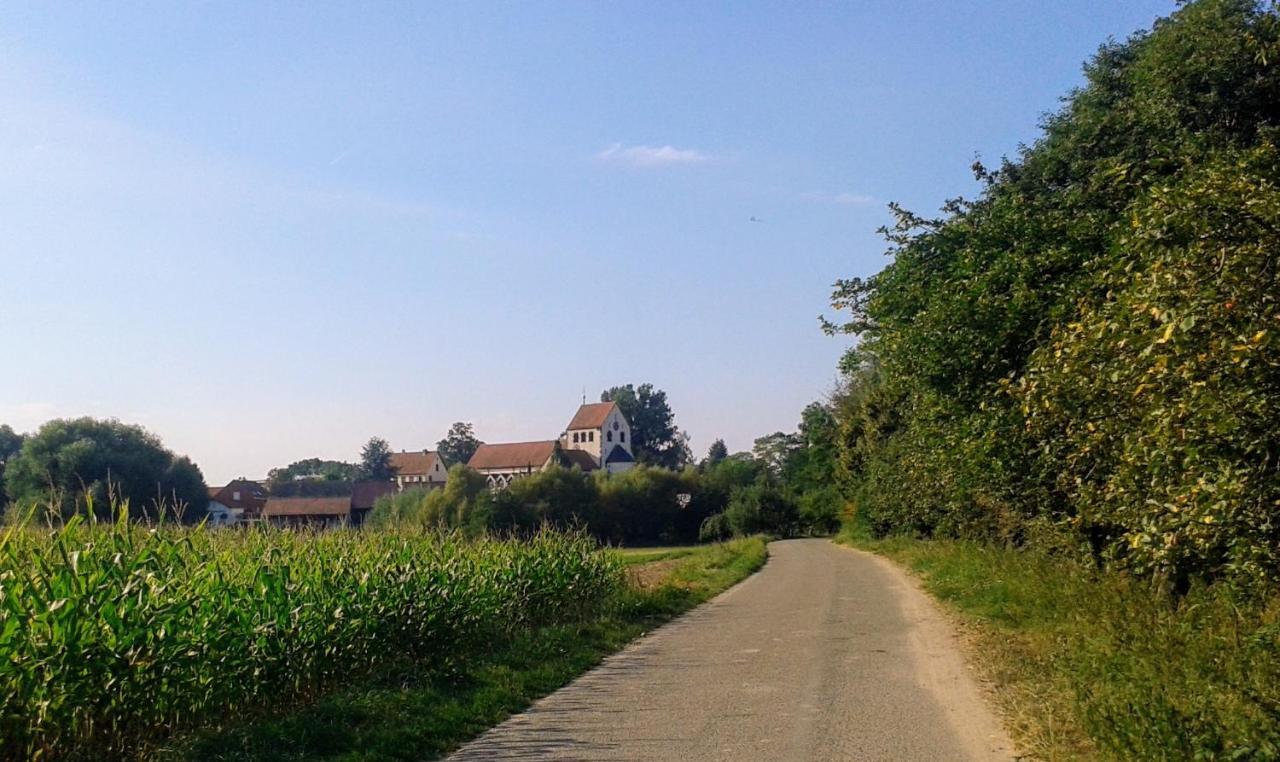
x=597, y=437
x=419, y=469
x=239, y=502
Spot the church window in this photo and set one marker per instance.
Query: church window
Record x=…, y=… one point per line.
x=575, y=436
x=608, y=435
x=591, y=436
x=622, y=436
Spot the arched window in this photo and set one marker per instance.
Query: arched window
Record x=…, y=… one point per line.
x=575, y=436
x=608, y=435
x=622, y=436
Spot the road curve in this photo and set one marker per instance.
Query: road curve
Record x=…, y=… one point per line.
x=827, y=653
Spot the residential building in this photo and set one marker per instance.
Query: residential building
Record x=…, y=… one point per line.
x=239, y=502
x=419, y=469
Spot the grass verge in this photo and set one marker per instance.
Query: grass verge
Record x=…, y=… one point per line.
x=414, y=714
x=1092, y=665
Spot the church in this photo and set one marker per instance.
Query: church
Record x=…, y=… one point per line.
x=598, y=437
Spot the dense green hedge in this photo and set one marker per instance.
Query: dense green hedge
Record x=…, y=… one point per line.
x=636, y=507
x=1087, y=356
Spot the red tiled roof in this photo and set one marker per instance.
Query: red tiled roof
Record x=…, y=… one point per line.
x=365, y=494
x=512, y=455
x=307, y=506
x=416, y=462
x=591, y=416
x=252, y=495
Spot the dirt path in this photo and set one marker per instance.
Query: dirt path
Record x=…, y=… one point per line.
x=827, y=653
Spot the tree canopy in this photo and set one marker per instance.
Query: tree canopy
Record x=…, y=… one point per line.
x=10, y=444
x=655, y=439
x=68, y=464
x=458, y=445
x=375, y=461
x=1085, y=357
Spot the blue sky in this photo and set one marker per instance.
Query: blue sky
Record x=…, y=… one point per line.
x=268, y=231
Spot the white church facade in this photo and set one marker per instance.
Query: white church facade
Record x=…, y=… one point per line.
x=597, y=438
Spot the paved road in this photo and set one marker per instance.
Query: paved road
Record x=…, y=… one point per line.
x=827, y=653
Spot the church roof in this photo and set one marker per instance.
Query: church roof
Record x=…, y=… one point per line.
x=582, y=459
x=591, y=416
x=416, y=462
x=619, y=455
x=512, y=455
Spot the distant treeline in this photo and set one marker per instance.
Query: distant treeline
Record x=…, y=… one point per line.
x=1086, y=358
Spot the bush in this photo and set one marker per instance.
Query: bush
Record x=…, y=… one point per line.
x=762, y=509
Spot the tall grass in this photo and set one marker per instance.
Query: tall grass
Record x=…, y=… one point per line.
x=114, y=636
x=1100, y=664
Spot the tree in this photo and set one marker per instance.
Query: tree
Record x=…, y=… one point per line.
x=310, y=470
x=776, y=450
x=655, y=440
x=375, y=461
x=458, y=445
x=68, y=464
x=10, y=444
x=715, y=453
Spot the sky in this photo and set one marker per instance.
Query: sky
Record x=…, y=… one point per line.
x=270, y=231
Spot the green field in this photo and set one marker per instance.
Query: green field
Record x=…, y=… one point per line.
x=114, y=637
x=423, y=713
x=121, y=640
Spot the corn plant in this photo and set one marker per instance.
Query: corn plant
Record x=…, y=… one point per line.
x=115, y=636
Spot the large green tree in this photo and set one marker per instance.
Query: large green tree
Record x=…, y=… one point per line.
x=1084, y=356
x=284, y=481
x=458, y=445
x=375, y=461
x=655, y=439
x=68, y=464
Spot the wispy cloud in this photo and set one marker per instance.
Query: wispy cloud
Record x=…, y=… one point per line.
x=652, y=156
x=844, y=198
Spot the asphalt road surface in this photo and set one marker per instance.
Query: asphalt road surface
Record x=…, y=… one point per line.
x=826, y=653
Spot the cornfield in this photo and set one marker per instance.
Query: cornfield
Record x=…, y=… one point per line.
x=115, y=636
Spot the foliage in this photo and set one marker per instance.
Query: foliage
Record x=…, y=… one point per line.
x=655, y=439
x=10, y=445
x=70, y=465
x=458, y=445
x=1083, y=358
x=1090, y=664
x=312, y=488
x=762, y=508
x=715, y=453
x=464, y=502
x=309, y=469
x=188, y=625
x=375, y=461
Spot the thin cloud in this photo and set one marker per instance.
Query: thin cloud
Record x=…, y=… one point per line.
x=844, y=198
x=652, y=156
